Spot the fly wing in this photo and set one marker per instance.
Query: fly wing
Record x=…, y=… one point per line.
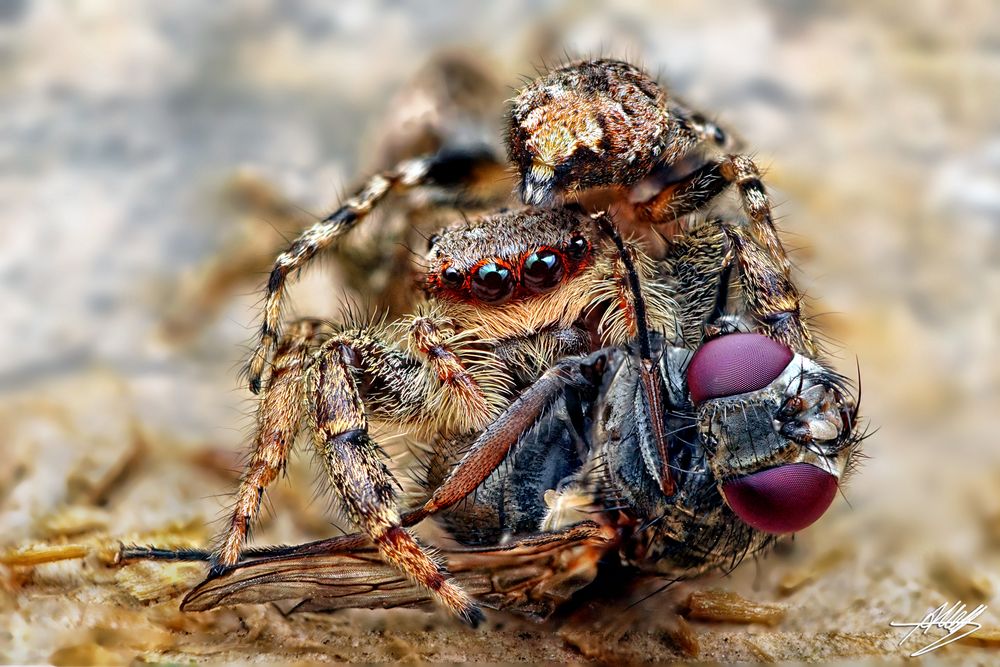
x=532, y=575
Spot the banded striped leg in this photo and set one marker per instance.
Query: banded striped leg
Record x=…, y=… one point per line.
x=366, y=487
x=336, y=378
x=769, y=293
x=696, y=190
x=397, y=390
x=445, y=169
x=279, y=416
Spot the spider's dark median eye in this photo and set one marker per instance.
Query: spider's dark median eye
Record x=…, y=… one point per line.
x=577, y=247
x=492, y=283
x=542, y=270
x=452, y=276
x=735, y=364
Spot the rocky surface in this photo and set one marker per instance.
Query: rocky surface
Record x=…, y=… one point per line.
x=121, y=126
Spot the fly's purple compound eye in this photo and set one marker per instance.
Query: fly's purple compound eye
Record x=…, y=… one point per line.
x=785, y=499
x=735, y=364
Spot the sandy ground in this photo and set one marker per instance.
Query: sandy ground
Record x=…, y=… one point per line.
x=120, y=128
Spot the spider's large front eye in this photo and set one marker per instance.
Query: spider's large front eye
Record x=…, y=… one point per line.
x=735, y=364
x=492, y=283
x=542, y=270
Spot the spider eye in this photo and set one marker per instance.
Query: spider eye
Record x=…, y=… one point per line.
x=719, y=136
x=432, y=241
x=452, y=276
x=577, y=247
x=492, y=283
x=735, y=364
x=542, y=270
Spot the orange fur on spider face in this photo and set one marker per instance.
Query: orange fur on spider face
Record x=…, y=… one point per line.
x=509, y=243
x=533, y=268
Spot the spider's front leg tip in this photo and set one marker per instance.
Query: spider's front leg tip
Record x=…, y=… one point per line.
x=472, y=616
x=254, y=372
x=216, y=569
x=459, y=603
x=217, y=566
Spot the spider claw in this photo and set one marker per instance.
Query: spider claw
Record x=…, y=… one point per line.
x=472, y=616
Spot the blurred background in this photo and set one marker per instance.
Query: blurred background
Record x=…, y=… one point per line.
x=147, y=147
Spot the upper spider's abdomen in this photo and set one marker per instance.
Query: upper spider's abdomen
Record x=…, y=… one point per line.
x=587, y=124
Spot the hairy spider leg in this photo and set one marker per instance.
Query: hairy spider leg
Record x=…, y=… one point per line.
x=446, y=169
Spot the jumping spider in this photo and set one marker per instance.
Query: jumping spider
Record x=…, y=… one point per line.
x=541, y=307
x=509, y=294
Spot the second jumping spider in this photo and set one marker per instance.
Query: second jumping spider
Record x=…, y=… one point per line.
x=516, y=299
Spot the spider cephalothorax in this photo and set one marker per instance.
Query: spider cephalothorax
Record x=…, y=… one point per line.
x=540, y=275
x=598, y=123
x=589, y=124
